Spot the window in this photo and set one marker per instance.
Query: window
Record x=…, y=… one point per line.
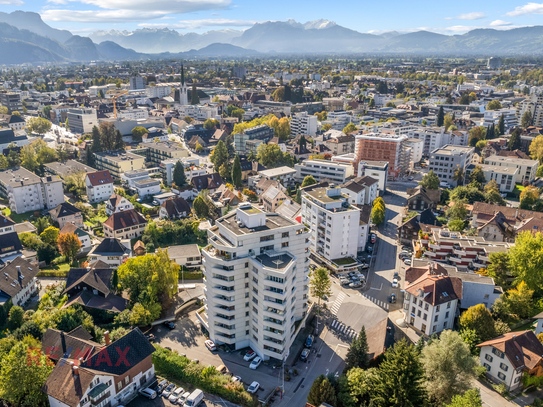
x=437, y=308
x=413, y=310
x=285, y=234
x=426, y=307
x=436, y=318
x=448, y=305
x=497, y=352
x=504, y=367
x=501, y=376
x=126, y=379
x=434, y=328
x=447, y=315
x=284, y=244
x=119, y=385
x=418, y=313
x=517, y=379
x=487, y=366
x=423, y=328
x=425, y=316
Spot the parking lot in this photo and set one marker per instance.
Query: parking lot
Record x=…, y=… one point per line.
x=141, y=401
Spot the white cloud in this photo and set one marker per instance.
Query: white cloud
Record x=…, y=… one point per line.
x=468, y=16
x=196, y=24
x=530, y=8
x=12, y=2
x=499, y=23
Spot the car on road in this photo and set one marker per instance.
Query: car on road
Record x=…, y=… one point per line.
x=392, y=299
x=161, y=386
x=396, y=276
x=394, y=283
x=169, y=325
x=364, y=267
x=410, y=179
x=305, y=354
x=253, y=387
x=344, y=281
x=250, y=355
x=373, y=237
x=407, y=262
x=168, y=390
x=210, y=345
x=355, y=284
x=175, y=395
x=149, y=393
x=255, y=363
x=309, y=341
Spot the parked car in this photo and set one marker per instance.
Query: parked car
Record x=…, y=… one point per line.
x=394, y=283
x=373, y=237
x=161, y=386
x=175, y=395
x=210, y=345
x=355, y=284
x=309, y=341
x=396, y=276
x=255, y=363
x=169, y=325
x=195, y=361
x=361, y=276
x=344, y=281
x=183, y=398
x=236, y=379
x=253, y=387
x=392, y=299
x=149, y=393
x=168, y=390
x=305, y=354
x=250, y=355
x=407, y=262
x=150, y=337
x=410, y=179
x=195, y=398
x=369, y=249
x=364, y=267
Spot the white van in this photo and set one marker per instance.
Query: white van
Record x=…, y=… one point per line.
x=195, y=398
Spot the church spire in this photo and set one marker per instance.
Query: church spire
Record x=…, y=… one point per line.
x=182, y=75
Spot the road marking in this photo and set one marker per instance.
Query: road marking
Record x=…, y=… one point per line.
x=334, y=322
x=378, y=289
x=337, y=303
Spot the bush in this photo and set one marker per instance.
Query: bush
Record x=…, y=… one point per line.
x=173, y=366
x=59, y=260
x=53, y=273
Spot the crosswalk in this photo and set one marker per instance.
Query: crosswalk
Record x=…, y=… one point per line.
x=337, y=303
x=343, y=329
x=377, y=302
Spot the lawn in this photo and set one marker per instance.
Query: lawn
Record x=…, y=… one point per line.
x=21, y=217
x=343, y=261
x=55, y=271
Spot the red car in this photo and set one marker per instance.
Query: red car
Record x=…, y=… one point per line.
x=373, y=237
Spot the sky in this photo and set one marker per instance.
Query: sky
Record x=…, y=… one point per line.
x=84, y=16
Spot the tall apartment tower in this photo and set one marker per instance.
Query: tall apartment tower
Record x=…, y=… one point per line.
x=256, y=280
x=183, y=91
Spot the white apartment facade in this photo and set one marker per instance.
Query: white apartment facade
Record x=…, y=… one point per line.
x=323, y=170
x=504, y=176
x=99, y=186
x=492, y=117
x=527, y=169
x=141, y=113
x=534, y=104
x=28, y=192
x=436, y=137
x=333, y=223
x=158, y=91
x=304, y=124
x=256, y=280
x=201, y=113
x=377, y=170
x=444, y=161
x=285, y=175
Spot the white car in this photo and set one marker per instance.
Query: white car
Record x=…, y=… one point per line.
x=236, y=379
x=175, y=395
x=395, y=283
x=210, y=345
x=407, y=262
x=181, y=400
x=253, y=387
x=250, y=355
x=168, y=390
x=255, y=363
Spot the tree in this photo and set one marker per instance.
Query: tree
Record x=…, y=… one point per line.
x=440, y=117
x=514, y=142
x=457, y=210
x=477, y=175
x=526, y=260
x=349, y=128
x=179, y=177
x=47, y=111
x=50, y=235
x=494, y=105
x=400, y=380
x=378, y=213
x=96, y=140
x=320, y=284
x=194, y=98
x=69, y=245
x=490, y=132
x=458, y=175
x=501, y=127
x=430, y=180
x=480, y=320
x=23, y=372
x=298, y=198
x=200, y=207
x=209, y=124
x=322, y=391
x=447, y=121
x=470, y=398
x=38, y=125
x=236, y=172
x=498, y=268
x=536, y=148
x=28, y=328
x=326, y=127
x=42, y=223
x=528, y=197
x=308, y=181
x=357, y=355
x=138, y=132
x=449, y=367
x=219, y=155
x=517, y=302
x=456, y=225
x=4, y=164
x=198, y=147
x=371, y=103
x=119, y=142
x=481, y=144
x=3, y=110
x=527, y=119
x=271, y=156
x=15, y=320
x=143, y=315
x=75, y=184
x=29, y=159
x=476, y=134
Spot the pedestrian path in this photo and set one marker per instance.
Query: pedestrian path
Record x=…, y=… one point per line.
x=337, y=303
x=344, y=330
x=377, y=302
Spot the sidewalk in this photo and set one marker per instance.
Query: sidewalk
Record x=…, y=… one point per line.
x=409, y=332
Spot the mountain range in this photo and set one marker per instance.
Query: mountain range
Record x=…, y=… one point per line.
x=25, y=38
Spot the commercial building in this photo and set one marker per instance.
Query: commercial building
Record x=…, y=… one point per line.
x=82, y=120
x=526, y=169
x=333, y=223
x=262, y=133
x=118, y=162
x=99, y=186
x=375, y=169
x=323, y=170
x=256, y=281
x=12, y=101
x=303, y=124
x=383, y=147
x=158, y=152
x=160, y=90
x=28, y=192
x=444, y=161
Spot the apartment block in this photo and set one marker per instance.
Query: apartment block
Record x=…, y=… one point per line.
x=82, y=120
x=492, y=117
x=12, y=101
x=333, y=223
x=167, y=167
x=256, y=281
x=28, y=192
x=118, y=162
x=444, y=161
x=383, y=147
x=533, y=104
x=340, y=145
x=262, y=133
x=285, y=175
x=99, y=186
x=137, y=82
x=158, y=152
x=504, y=176
x=436, y=137
x=304, y=124
x=158, y=91
x=323, y=170
x=526, y=169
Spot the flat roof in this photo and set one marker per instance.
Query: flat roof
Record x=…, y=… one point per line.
x=278, y=262
x=450, y=149
x=119, y=156
x=166, y=147
x=273, y=221
x=18, y=176
x=512, y=160
x=274, y=172
x=320, y=195
x=147, y=182
x=495, y=168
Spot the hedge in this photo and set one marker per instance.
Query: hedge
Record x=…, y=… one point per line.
x=53, y=273
x=173, y=366
x=190, y=275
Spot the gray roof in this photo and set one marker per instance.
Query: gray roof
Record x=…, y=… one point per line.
x=185, y=250
x=18, y=176
x=66, y=168
x=8, y=136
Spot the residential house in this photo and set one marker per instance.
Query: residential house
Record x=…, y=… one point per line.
x=99, y=186
x=340, y=145
x=84, y=237
x=57, y=345
x=66, y=213
x=10, y=136
x=508, y=357
x=174, y=208
x=322, y=170
x=375, y=169
x=497, y=229
x=264, y=184
x=67, y=168
x=409, y=230
x=91, y=288
x=18, y=282
x=93, y=380
x=364, y=226
x=482, y=212
x=113, y=252
x=420, y=198
x=361, y=190
x=9, y=239
x=285, y=175
x=527, y=169
x=272, y=198
x=117, y=203
x=147, y=187
x=208, y=181
x=13, y=121
x=125, y=225
x=139, y=248
x=187, y=255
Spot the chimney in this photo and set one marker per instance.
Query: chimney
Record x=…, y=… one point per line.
x=106, y=336
x=75, y=371
x=18, y=269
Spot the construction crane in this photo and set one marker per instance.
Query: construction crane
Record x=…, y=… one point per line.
x=114, y=101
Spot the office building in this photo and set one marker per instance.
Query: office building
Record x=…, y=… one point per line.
x=492, y=117
x=82, y=120
x=533, y=104
x=383, y=147
x=256, y=281
x=445, y=161
x=285, y=175
x=323, y=170
x=303, y=124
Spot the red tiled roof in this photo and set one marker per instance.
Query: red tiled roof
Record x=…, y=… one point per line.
x=523, y=349
x=100, y=178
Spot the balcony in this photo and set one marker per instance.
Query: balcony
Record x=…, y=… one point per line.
x=223, y=288
x=275, y=291
x=274, y=311
x=275, y=341
x=478, y=265
x=224, y=298
x=456, y=259
x=481, y=257
x=459, y=252
x=434, y=246
x=274, y=321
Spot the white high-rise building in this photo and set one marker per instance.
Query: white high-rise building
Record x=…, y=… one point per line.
x=303, y=124
x=256, y=280
x=183, y=91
